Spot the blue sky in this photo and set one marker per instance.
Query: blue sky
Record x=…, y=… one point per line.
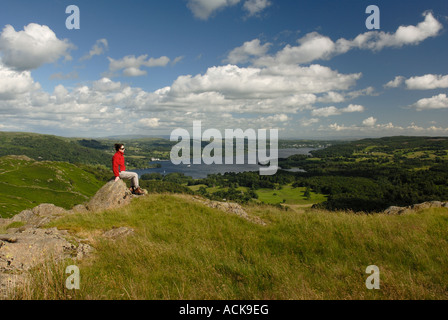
x=311, y=69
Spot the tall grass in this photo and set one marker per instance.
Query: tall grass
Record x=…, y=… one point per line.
x=183, y=250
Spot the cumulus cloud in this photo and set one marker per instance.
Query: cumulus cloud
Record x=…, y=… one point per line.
x=247, y=51
x=149, y=122
x=106, y=85
x=369, y=122
x=254, y=7
x=397, y=82
x=315, y=46
x=333, y=111
x=436, y=102
x=32, y=47
x=236, y=82
x=203, y=9
x=405, y=35
x=130, y=65
x=99, y=48
x=427, y=82
x=371, y=128
x=13, y=83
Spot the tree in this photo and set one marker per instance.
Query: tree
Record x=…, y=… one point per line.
x=307, y=193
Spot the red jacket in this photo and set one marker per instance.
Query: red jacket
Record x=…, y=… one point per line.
x=118, y=163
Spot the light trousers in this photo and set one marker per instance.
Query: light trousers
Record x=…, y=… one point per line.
x=130, y=176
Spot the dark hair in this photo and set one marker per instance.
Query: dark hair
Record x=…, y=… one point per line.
x=118, y=146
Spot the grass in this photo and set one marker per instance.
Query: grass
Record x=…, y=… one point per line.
x=292, y=196
x=25, y=183
x=183, y=250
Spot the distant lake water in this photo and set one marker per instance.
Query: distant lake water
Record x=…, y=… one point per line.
x=199, y=171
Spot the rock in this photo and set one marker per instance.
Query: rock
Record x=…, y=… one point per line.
x=80, y=208
x=118, y=232
x=39, y=215
x=393, y=210
x=230, y=207
x=34, y=246
x=112, y=195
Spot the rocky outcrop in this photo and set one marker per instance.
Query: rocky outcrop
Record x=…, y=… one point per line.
x=40, y=215
x=26, y=244
x=230, y=207
x=393, y=210
x=116, y=233
x=112, y=195
x=23, y=248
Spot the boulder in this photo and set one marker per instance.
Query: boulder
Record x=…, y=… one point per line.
x=113, y=194
x=393, y=210
x=39, y=215
x=118, y=233
x=230, y=207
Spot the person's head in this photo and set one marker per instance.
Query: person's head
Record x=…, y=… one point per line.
x=119, y=147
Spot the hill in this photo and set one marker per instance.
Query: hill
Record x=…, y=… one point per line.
x=51, y=148
x=165, y=246
x=25, y=183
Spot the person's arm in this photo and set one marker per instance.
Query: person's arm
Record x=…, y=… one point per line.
x=115, y=168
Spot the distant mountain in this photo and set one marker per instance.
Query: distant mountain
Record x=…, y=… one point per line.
x=134, y=136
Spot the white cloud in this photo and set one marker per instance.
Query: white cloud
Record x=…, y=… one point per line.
x=247, y=51
x=203, y=9
x=427, y=82
x=326, y=112
x=370, y=128
x=13, y=83
x=331, y=97
x=311, y=47
x=149, y=122
x=99, y=48
x=315, y=46
x=369, y=122
x=254, y=7
x=398, y=81
x=436, y=102
x=333, y=111
x=34, y=46
x=405, y=35
x=131, y=65
x=106, y=85
x=277, y=81
x=353, y=108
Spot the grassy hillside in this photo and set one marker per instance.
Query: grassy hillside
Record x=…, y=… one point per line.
x=52, y=148
x=184, y=250
x=26, y=183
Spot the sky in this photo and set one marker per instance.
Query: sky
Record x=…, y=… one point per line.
x=311, y=69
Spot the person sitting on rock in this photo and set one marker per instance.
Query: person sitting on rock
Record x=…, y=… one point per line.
x=120, y=172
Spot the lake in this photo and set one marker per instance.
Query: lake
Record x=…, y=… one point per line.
x=199, y=171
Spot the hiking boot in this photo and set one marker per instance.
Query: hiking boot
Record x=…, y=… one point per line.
x=138, y=191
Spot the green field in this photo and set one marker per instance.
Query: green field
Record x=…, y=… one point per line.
x=288, y=195
x=25, y=183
